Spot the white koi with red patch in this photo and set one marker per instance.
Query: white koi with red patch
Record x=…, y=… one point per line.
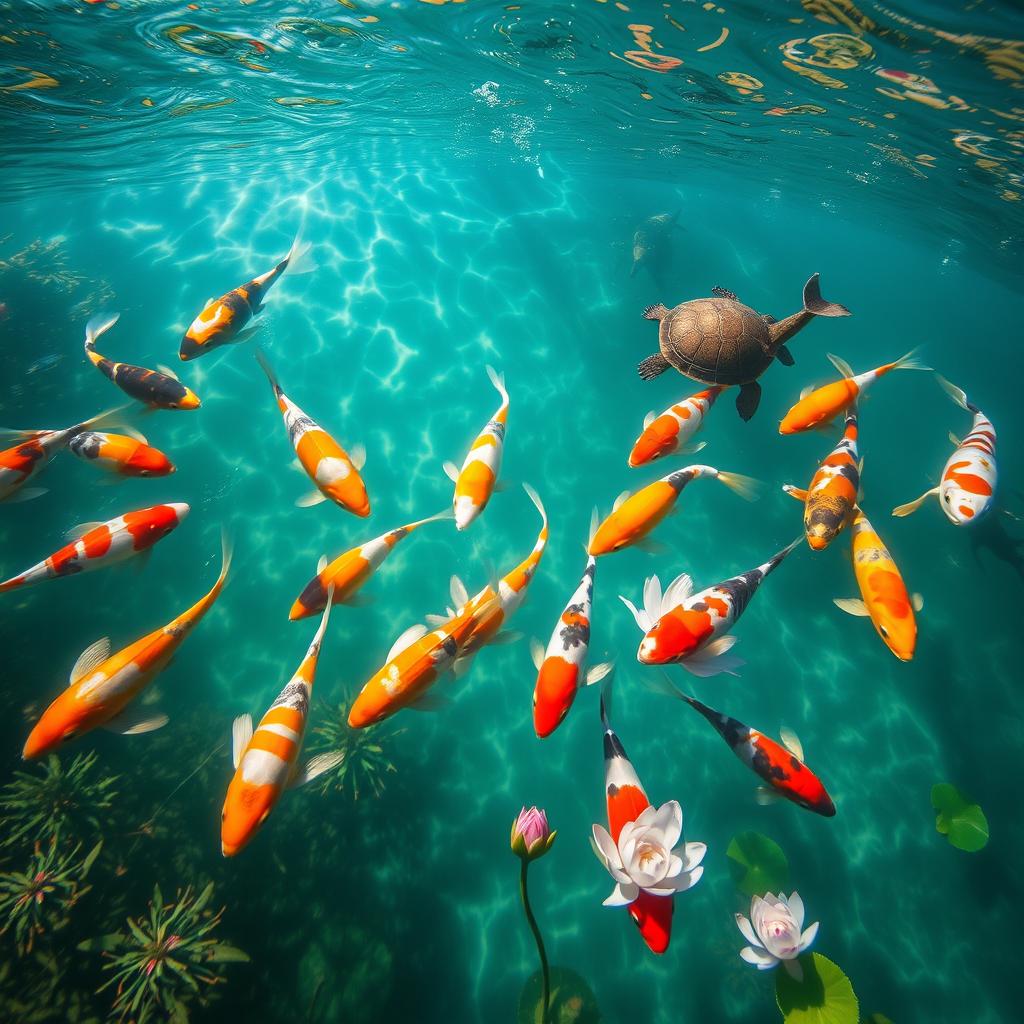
x=669, y=433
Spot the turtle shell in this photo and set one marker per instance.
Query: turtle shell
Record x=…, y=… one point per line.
x=717, y=341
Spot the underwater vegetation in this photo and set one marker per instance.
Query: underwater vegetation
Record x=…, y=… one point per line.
x=960, y=820
x=366, y=762
x=167, y=959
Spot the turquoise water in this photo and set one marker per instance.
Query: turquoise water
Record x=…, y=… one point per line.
x=470, y=177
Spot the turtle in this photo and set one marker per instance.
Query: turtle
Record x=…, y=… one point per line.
x=652, y=242
x=719, y=340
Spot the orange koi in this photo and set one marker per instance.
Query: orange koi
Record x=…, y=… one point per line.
x=669, y=433
x=124, y=456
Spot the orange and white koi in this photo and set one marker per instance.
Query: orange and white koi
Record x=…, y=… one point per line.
x=476, y=481
x=510, y=594
x=633, y=516
x=968, y=485
x=417, y=660
x=267, y=761
x=34, y=450
x=626, y=800
x=334, y=472
x=831, y=498
x=780, y=765
x=224, y=320
x=123, y=456
x=159, y=389
x=97, y=545
x=884, y=598
x=103, y=686
x=820, y=405
x=562, y=667
x=670, y=433
x=692, y=630
x=350, y=571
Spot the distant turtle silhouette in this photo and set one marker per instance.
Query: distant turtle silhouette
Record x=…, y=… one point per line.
x=721, y=341
x=652, y=243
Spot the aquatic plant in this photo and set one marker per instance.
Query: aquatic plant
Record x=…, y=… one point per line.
x=822, y=995
x=366, y=761
x=962, y=822
x=39, y=899
x=166, y=959
x=572, y=1000
x=71, y=802
x=757, y=864
x=774, y=932
x=646, y=857
x=531, y=838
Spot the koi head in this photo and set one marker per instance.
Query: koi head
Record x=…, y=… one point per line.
x=148, y=461
x=190, y=348
x=963, y=506
x=189, y=400
x=59, y=724
x=673, y=637
x=657, y=441
x=553, y=695
x=246, y=807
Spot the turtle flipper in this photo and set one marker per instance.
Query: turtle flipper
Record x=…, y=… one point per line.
x=784, y=356
x=656, y=312
x=652, y=366
x=747, y=400
x=724, y=293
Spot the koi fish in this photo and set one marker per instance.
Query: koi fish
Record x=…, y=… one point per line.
x=626, y=801
x=34, y=450
x=968, y=483
x=124, y=456
x=97, y=545
x=818, y=406
x=780, y=765
x=884, y=598
x=103, y=686
x=349, y=571
x=224, y=320
x=157, y=389
x=417, y=660
x=477, y=479
x=510, y=594
x=692, y=630
x=831, y=498
x=634, y=516
x=669, y=433
x=562, y=667
x=334, y=472
x=267, y=761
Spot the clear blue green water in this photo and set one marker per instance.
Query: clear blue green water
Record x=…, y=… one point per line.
x=470, y=176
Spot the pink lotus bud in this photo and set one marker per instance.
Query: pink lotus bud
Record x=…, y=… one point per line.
x=531, y=835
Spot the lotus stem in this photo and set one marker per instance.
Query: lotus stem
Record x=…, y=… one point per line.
x=532, y=921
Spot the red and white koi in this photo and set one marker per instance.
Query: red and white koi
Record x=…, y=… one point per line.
x=780, y=765
x=224, y=320
x=670, y=433
x=97, y=545
x=417, y=660
x=103, y=686
x=562, y=667
x=334, y=472
x=476, y=481
x=884, y=598
x=267, y=760
x=120, y=455
x=818, y=406
x=35, y=448
x=692, y=630
x=510, y=594
x=633, y=516
x=350, y=571
x=648, y=835
x=968, y=485
x=831, y=498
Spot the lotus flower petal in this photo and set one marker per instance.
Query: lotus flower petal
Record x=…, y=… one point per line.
x=747, y=931
x=760, y=957
x=668, y=821
x=796, y=908
x=622, y=895
x=809, y=935
x=694, y=854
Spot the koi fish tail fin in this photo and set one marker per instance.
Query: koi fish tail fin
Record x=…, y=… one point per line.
x=108, y=418
x=605, y=703
x=745, y=486
x=659, y=682
x=298, y=260
x=909, y=362
x=595, y=522
x=268, y=370
x=226, y=552
x=447, y=513
x=776, y=560
x=97, y=325
x=535, y=498
x=498, y=380
x=957, y=394
x=816, y=305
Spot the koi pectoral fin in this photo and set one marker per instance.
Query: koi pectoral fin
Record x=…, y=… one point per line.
x=536, y=653
x=430, y=702
x=315, y=767
x=795, y=492
x=241, y=734
x=913, y=506
x=598, y=672
x=851, y=605
x=95, y=654
x=26, y=494
x=309, y=500
x=135, y=721
x=765, y=796
x=451, y=471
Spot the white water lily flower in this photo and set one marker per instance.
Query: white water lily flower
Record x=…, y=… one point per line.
x=773, y=932
x=647, y=858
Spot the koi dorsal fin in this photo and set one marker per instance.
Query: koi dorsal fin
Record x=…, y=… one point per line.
x=315, y=767
x=791, y=742
x=406, y=640
x=95, y=654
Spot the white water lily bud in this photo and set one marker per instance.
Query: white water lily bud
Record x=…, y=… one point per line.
x=773, y=932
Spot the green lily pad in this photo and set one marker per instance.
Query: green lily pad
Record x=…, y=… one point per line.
x=877, y=1018
x=963, y=823
x=825, y=996
x=757, y=864
x=572, y=1001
